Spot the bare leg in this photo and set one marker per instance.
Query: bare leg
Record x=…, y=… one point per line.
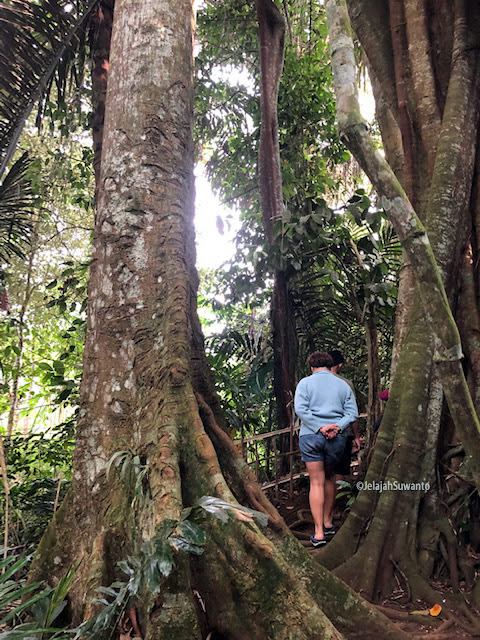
x=316, y=471
x=331, y=487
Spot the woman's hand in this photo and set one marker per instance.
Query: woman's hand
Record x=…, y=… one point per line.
x=330, y=431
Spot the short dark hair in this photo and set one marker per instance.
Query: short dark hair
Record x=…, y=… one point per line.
x=337, y=357
x=320, y=359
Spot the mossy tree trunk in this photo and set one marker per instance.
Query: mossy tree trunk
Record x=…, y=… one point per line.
x=146, y=387
x=425, y=64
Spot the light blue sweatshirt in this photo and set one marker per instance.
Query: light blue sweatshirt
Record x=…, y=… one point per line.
x=324, y=398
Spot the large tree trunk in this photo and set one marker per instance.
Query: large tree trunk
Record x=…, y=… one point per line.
x=436, y=109
x=284, y=336
x=145, y=386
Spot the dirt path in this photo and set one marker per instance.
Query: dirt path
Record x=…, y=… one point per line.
x=296, y=514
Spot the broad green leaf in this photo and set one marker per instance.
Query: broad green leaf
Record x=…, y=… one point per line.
x=192, y=533
x=165, y=558
x=183, y=545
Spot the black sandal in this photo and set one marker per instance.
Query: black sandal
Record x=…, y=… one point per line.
x=317, y=543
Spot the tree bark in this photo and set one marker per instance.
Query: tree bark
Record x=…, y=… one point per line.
x=373, y=367
x=100, y=36
x=469, y=324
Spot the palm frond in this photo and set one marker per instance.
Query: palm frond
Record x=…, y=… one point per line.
x=36, y=39
x=16, y=209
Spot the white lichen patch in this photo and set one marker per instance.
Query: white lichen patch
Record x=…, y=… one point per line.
x=129, y=381
x=125, y=275
x=116, y=407
x=109, y=184
x=107, y=286
x=97, y=427
x=93, y=389
x=350, y=602
x=386, y=203
x=133, y=290
x=94, y=466
x=138, y=253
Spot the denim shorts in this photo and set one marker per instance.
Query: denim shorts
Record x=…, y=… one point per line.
x=316, y=448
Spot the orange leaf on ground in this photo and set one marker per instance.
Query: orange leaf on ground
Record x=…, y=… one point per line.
x=435, y=610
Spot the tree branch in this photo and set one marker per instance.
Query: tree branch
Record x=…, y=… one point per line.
x=420, y=55
x=370, y=20
x=399, y=46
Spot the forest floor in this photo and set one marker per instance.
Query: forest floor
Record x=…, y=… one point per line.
x=296, y=513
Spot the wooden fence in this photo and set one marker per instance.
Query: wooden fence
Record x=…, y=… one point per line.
x=266, y=454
